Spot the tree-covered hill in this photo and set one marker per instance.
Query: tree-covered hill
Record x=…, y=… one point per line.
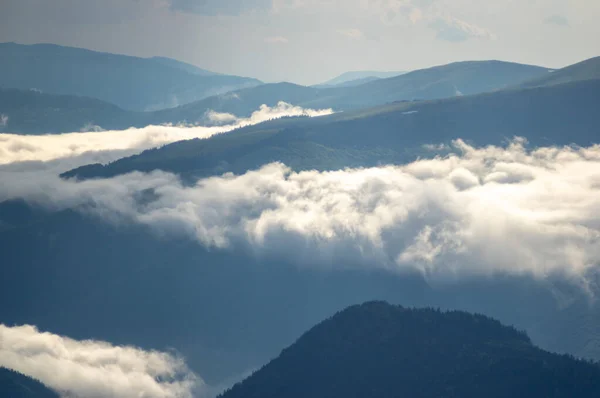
x=16, y=385
x=378, y=350
x=395, y=133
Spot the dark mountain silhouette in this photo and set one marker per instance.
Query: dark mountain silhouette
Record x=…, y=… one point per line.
x=378, y=350
x=389, y=134
x=16, y=385
x=129, y=82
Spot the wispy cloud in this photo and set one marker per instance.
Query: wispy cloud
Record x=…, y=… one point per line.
x=356, y=34
x=277, y=40
x=98, y=144
x=94, y=369
x=430, y=13
x=455, y=30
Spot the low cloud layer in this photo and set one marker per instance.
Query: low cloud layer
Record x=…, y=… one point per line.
x=480, y=211
x=94, y=369
x=101, y=144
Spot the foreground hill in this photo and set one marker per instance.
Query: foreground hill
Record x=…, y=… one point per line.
x=129, y=82
x=379, y=350
x=393, y=133
x=15, y=385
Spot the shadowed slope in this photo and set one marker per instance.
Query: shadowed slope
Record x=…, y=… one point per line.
x=379, y=350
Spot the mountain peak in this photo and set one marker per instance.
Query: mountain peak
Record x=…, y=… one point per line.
x=380, y=350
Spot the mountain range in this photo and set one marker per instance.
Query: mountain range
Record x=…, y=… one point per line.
x=131, y=83
x=357, y=77
x=398, y=132
x=230, y=309
x=32, y=112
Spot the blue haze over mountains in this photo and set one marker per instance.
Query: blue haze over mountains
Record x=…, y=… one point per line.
x=129, y=82
x=230, y=310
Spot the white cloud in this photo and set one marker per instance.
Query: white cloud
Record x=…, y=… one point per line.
x=89, y=127
x=111, y=145
x=3, y=121
x=220, y=118
x=432, y=13
x=276, y=40
x=453, y=29
x=352, y=33
x=481, y=211
x=94, y=369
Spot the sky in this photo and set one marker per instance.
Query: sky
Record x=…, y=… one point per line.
x=310, y=41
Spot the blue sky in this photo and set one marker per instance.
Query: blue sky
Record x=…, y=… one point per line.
x=309, y=41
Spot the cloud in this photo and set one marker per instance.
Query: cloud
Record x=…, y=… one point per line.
x=429, y=12
x=455, y=30
x=94, y=369
x=559, y=20
x=478, y=211
x=352, y=33
x=3, y=121
x=219, y=7
x=277, y=40
x=111, y=145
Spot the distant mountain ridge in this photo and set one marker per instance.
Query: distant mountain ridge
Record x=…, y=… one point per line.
x=350, y=83
x=356, y=76
x=31, y=112
x=193, y=69
x=463, y=78
x=130, y=82
x=585, y=70
x=378, y=350
x=397, y=133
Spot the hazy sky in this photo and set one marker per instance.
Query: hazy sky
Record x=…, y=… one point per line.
x=309, y=41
